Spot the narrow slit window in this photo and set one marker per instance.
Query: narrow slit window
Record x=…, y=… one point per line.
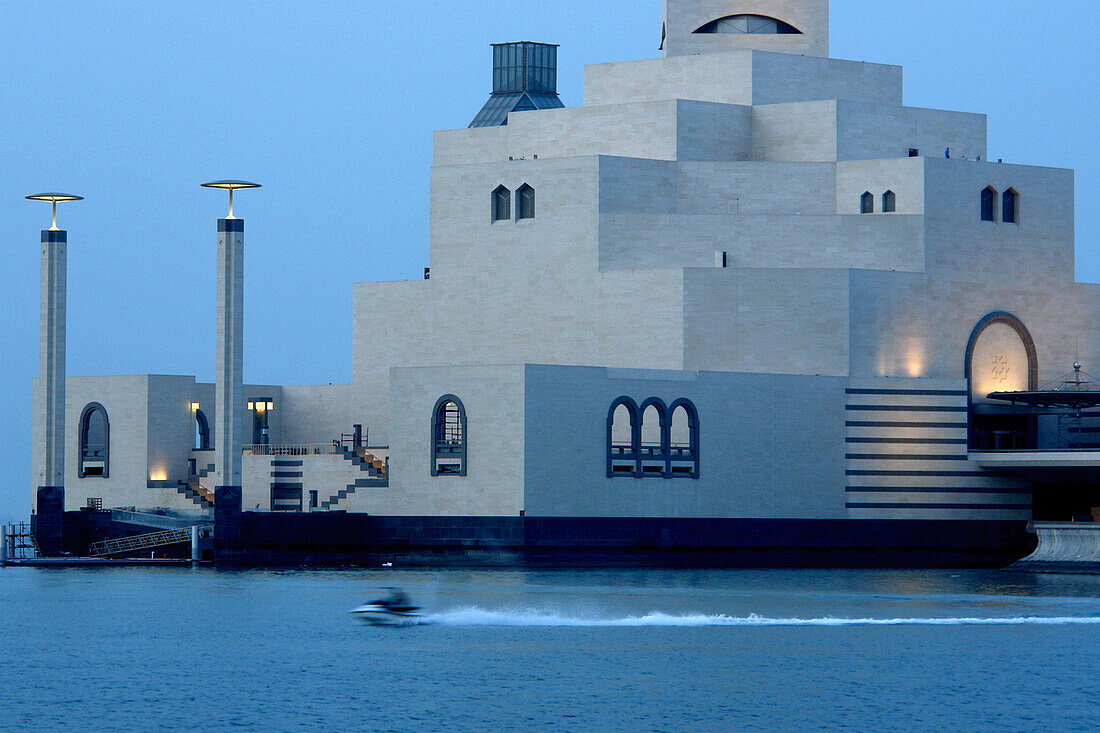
x=867, y=203
x=502, y=204
x=989, y=195
x=526, y=204
x=1009, y=206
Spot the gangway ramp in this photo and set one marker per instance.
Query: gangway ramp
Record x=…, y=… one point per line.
x=135, y=543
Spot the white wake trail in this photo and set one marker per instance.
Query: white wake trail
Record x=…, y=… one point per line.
x=473, y=616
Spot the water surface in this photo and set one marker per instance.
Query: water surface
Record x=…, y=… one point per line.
x=182, y=649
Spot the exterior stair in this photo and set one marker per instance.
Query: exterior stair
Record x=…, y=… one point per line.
x=365, y=460
x=197, y=493
x=376, y=469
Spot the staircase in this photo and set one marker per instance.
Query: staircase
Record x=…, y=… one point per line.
x=376, y=469
x=196, y=492
x=140, y=542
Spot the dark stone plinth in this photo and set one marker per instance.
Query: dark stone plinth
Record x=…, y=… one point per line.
x=49, y=520
x=336, y=538
x=227, y=519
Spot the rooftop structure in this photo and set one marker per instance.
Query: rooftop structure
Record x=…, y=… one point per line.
x=525, y=78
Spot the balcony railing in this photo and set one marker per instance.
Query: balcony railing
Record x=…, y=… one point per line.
x=298, y=449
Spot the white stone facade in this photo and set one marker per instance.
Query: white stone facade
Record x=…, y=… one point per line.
x=826, y=359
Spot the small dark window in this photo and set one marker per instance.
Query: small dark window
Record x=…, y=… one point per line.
x=95, y=441
x=449, y=437
x=988, y=196
x=889, y=202
x=914, y=153
x=313, y=499
x=525, y=208
x=1009, y=203
x=502, y=204
x=867, y=203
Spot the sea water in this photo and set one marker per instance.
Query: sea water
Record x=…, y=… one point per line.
x=201, y=649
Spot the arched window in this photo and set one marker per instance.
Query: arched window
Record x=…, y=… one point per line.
x=202, y=431
x=525, y=208
x=1009, y=203
x=653, y=446
x=747, y=23
x=449, y=437
x=95, y=441
x=867, y=203
x=683, y=448
x=622, y=438
x=989, y=195
x=502, y=204
x=889, y=202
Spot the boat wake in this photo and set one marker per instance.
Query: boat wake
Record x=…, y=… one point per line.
x=473, y=616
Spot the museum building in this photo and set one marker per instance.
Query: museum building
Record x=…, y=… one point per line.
x=744, y=304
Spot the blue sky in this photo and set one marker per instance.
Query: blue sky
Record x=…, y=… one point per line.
x=331, y=105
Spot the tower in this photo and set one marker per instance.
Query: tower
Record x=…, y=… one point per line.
x=50, y=401
x=229, y=369
x=710, y=26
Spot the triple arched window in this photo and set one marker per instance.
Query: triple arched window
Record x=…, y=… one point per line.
x=652, y=440
x=95, y=441
x=449, y=437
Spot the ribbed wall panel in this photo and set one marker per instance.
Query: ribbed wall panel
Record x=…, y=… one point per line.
x=906, y=456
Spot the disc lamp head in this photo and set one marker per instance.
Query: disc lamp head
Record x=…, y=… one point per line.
x=230, y=186
x=54, y=199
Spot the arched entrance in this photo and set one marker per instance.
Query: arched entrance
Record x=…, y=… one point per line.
x=1000, y=357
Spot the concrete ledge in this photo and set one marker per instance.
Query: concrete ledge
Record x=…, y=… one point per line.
x=1038, y=459
x=95, y=561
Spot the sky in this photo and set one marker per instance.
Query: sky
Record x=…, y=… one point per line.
x=331, y=106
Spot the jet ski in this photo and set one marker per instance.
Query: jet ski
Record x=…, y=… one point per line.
x=394, y=610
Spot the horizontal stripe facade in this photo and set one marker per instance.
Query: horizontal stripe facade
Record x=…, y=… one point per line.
x=915, y=462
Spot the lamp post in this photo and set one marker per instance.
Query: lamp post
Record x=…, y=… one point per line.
x=229, y=388
x=49, y=403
